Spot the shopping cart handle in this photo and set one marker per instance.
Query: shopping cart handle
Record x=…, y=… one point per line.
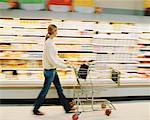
x=65, y=60
x=91, y=60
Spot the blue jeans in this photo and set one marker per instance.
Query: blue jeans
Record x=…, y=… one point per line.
x=51, y=76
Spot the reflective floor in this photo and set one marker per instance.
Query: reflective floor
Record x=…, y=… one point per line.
x=132, y=110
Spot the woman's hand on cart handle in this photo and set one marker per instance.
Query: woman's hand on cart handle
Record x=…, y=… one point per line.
x=91, y=60
x=68, y=63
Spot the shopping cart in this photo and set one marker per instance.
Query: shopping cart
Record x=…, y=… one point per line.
x=85, y=89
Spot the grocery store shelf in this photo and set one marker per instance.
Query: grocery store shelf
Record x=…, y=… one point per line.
x=143, y=53
x=72, y=43
x=119, y=32
x=73, y=83
x=143, y=59
x=115, y=45
x=117, y=62
x=32, y=69
x=116, y=36
x=143, y=65
x=145, y=49
x=19, y=58
x=60, y=51
x=21, y=50
x=144, y=42
x=76, y=51
x=130, y=71
x=18, y=42
x=121, y=70
x=29, y=83
x=79, y=59
x=115, y=52
x=142, y=71
x=22, y=58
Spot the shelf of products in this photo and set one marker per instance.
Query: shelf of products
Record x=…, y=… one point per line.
x=144, y=54
x=52, y=5
x=21, y=46
x=123, y=46
x=116, y=46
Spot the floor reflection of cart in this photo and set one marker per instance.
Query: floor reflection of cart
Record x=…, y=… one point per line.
x=90, y=81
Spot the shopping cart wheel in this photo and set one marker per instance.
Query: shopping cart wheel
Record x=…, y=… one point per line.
x=75, y=116
x=103, y=105
x=108, y=112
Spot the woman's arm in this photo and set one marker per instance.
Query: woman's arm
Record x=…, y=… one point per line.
x=52, y=56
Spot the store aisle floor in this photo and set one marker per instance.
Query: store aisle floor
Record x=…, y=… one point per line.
x=132, y=110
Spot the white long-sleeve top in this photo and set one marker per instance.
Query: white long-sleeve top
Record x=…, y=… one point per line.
x=51, y=59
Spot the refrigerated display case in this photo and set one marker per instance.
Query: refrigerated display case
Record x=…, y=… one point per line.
x=80, y=38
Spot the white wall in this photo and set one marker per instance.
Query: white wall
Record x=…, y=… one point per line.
x=121, y=4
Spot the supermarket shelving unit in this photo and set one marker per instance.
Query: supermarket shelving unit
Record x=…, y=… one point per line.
x=144, y=54
x=81, y=37
x=22, y=46
x=116, y=47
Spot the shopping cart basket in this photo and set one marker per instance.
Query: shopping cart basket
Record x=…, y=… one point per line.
x=86, y=89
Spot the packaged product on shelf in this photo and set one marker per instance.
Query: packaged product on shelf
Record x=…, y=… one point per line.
x=13, y=64
x=59, y=5
x=5, y=45
x=29, y=75
x=34, y=64
x=63, y=74
x=11, y=54
x=27, y=46
x=147, y=7
x=144, y=36
x=8, y=74
x=2, y=54
x=40, y=76
x=67, y=75
x=65, y=40
x=4, y=4
x=74, y=33
x=84, y=7
x=34, y=54
x=32, y=4
x=14, y=4
x=68, y=48
x=29, y=31
x=2, y=76
x=69, y=55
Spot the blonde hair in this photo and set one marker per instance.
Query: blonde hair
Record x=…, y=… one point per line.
x=50, y=29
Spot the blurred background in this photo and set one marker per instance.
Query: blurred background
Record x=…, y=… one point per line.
x=134, y=7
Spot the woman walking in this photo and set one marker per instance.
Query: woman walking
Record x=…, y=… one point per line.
x=51, y=61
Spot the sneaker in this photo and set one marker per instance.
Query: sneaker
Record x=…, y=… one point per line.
x=72, y=104
x=37, y=113
x=71, y=111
